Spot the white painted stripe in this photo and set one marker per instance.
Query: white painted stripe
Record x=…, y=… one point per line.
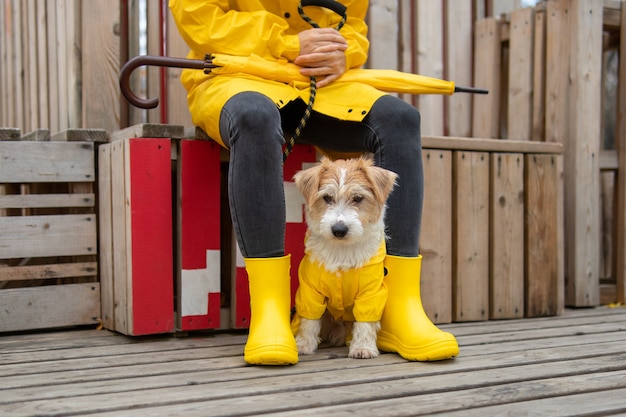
x=294, y=202
x=198, y=283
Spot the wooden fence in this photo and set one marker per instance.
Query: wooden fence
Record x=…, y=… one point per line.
x=549, y=70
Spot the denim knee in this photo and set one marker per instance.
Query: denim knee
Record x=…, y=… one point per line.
x=250, y=114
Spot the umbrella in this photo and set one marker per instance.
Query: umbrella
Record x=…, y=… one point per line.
x=382, y=79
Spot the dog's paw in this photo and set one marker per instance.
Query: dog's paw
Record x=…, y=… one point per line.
x=306, y=345
x=362, y=353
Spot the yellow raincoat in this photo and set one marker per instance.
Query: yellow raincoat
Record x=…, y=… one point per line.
x=268, y=31
x=357, y=294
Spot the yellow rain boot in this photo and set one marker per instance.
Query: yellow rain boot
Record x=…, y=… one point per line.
x=405, y=327
x=270, y=341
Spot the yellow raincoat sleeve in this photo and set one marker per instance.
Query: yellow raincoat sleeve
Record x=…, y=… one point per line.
x=257, y=27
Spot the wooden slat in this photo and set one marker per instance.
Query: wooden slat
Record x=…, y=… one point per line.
x=429, y=57
x=486, y=108
x=490, y=145
x=105, y=237
x=436, y=236
x=541, y=247
x=383, y=34
x=582, y=203
x=47, y=162
x=52, y=65
x=471, y=236
x=459, y=29
x=22, y=273
x=100, y=61
x=539, y=77
x=50, y=306
x=177, y=108
x=620, y=135
x=55, y=235
x=519, y=118
x=47, y=200
x=42, y=60
x=506, y=241
x=121, y=246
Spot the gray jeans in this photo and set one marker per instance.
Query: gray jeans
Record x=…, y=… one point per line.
x=252, y=127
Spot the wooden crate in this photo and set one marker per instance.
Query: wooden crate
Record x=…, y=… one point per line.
x=160, y=231
x=492, y=229
x=48, y=234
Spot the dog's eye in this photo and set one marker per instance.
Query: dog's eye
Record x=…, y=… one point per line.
x=357, y=198
x=328, y=199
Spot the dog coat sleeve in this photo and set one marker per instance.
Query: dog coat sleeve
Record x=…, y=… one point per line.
x=310, y=302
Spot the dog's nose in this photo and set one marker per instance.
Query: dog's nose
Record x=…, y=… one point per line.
x=339, y=229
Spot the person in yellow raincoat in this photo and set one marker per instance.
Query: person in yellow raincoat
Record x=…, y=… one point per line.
x=251, y=114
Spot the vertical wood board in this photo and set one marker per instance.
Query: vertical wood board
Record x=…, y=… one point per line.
x=520, y=92
x=150, y=212
x=541, y=243
x=199, y=235
x=487, y=59
x=436, y=236
x=471, y=236
x=506, y=253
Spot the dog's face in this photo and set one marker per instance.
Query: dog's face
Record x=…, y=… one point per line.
x=344, y=197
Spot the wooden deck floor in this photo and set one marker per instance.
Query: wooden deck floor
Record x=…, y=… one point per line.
x=572, y=365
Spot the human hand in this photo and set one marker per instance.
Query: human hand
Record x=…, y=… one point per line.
x=322, y=54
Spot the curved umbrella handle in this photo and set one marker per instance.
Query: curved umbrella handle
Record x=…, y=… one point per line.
x=159, y=61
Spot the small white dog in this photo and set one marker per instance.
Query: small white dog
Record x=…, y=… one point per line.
x=341, y=276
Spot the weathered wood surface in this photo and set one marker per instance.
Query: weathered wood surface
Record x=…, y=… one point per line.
x=568, y=365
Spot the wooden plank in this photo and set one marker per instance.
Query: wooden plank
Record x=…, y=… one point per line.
x=62, y=62
x=177, y=107
x=18, y=64
x=539, y=77
x=557, y=69
x=65, y=270
x=4, y=78
x=149, y=130
x=429, y=57
x=198, y=251
x=50, y=306
x=47, y=200
x=42, y=60
x=620, y=135
x=519, y=119
x=47, y=162
x=436, y=236
x=100, y=61
x=54, y=235
x=81, y=135
x=541, y=247
x=52, y=67
x=121, y=256
x=10, y=133
x=506, y=242
x=459, y=53
x=471, y=236
x=490, y=145
x=74, y=51
x=383, y=34
x=581, y=154
x=105, y=237
x=153, y=87
x=487, y=59
x=149, y=215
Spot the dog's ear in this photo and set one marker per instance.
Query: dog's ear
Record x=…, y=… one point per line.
x=383, y=181
x=307, y=181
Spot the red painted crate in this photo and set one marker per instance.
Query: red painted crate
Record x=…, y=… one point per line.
x=160, y=231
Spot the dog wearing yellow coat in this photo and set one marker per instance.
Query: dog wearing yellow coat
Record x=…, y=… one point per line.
x=341, y=294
